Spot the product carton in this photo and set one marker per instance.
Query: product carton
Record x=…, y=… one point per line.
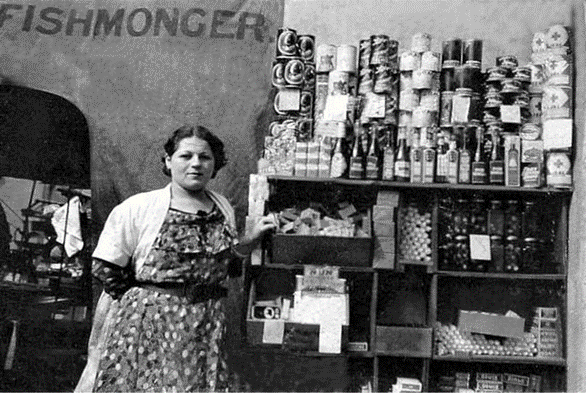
x=492, y=324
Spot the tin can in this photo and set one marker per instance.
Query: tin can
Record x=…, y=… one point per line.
x=558, y=36
x=409, y=61
x=338, y=83
x=497, y=74
x=430, y=100
x=421, y=42
x=558, y=169
x=394, y=55
x=493, y=100
x=447, y=79
x=539, y=42
x=556, y=102
x=309, y=76
x=508, y=62
x=472, y=50
x=473, y=64
x=430, y=61
x=294, y=71
x=304, y=127
x=306, y=103
x=325, y=58
x=380, y=49
x=346, y=58
x=475, y=112
x=408, y=100
x=530, y=131
x=522, y=100
x=364, y=53
x=468, y=77
x=278, y=73
x=511, y=85
x=286, y=42
x=306, y=47
x=451, y=52
x=406, y=81
x=353, y=85
x=382, y=79
x=435, y=82
x=405, y=119
x=281, y=107
x=422, y=79
x=321, y=95
x=522, y=74
x=365, y=81
x=535, y=99
x=423, y=117
x=446, y=108
x=537, y=76
x=391, y=109
x=558, y=70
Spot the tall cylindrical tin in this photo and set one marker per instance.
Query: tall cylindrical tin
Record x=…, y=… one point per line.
x=278, y=73
x=446, y=108
x=558, y=169
x=346, y=58
x=379, y=49
x=365, y=81
x=306, y=47
x=409, y=61
x=451, y=53
x=430, y=100
x=421, y=42
x=321, y=95
x=447, y=79
x=472, y=50
x=306, y=103
x=393, y=62
x=408, y=100
x=338, y=83
x=286, y=42
x=508, y=62
x=364, y=53
x=430, y=61
x=325, y=58
x=422, y=79
x=383, y=82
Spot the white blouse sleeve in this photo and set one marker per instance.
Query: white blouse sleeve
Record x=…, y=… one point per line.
x=119, y=238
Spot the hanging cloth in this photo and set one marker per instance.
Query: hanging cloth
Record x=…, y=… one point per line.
x=69, y=223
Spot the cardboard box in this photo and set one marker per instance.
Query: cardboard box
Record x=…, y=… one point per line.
x=384, y=229
x=388, y=198
x=492, y=324
x=382, y=213
x=404, y=341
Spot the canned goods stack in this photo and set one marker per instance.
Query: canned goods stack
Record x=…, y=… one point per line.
x=552, y=75
x=294, y=80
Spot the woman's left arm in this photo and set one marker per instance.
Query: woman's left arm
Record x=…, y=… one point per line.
x=247, y=242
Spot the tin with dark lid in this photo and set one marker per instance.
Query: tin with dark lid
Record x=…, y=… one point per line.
x=468, y=77
x=472, y=50
x=451, y=52
x=447, y=79
x=286, y=42
x=306, y=47
x=509, y=62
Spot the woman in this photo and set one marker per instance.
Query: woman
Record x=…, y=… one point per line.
x=163, y=256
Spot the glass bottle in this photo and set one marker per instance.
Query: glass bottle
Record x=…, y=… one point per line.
x=479, y=163
x=402, y=162
x=356, y=162
x=465, y=167
x=532, y=255
x=496, y=218
x=513, y=167
x=441, y=175
x=531, y=220
x=416, y=160
x=497, y=163
x=338, y=165
x=372, y=166
x=429, y=159
x=453, y=157
x=388, y=170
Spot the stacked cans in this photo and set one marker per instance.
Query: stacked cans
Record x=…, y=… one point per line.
x=419, y=85
x=294, y=79
x=461, y=77
x=552, y=77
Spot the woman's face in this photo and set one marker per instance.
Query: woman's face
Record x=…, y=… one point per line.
x=192, y=164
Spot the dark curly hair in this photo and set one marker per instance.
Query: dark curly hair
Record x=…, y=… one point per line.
x=188, y=131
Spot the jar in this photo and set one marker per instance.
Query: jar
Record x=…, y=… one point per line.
x=532, y=255
x=513, y=218
x=461, y=217
x=497, y=253
x=531, y=220
x=478, y=217
x=496, y=218
x=462, y=252
x=445, y=234
x=512, y=255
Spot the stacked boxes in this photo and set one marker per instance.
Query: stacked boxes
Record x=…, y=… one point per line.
x=383, y=221
x=547, y=328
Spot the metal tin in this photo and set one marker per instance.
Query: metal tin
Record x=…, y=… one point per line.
x=380, y=49
x=511, y=85
x=522, y=74
x=364, y=53
x=278, y=106
x=556, y=102
x=321, y=95
x=493, y=100
x=496, y=74
x=309, y=76
x=509, y=62
x=522, y=100
x=447, y=79
x=346, y=58
x=394, y=56
x=306, y=47
x=558, y=36
x=365, y=81
x=391, y=109
x=489, y=117
x=430, y=61
x=422, y=79
x=421, y=42
x=306, y=103
x=535, y=107
x=530, y=131
x=558, y=169
x=446, y=107
x=325, y=58
x=405, y=119
x=278, y=73
x=304, y=127
x=468, y=77
x=473, y=64
x=286, y=42
x=423, y=117
x=472, y=50
x=538, y=43
x=338, y=83
x=409, y=61
x=451, y=52
x=294, y=71
x=383, y=79
x=475, y=112
x=435, y=81
x=408, y=100
x=430, y=100
x=406, y=81
x=558, y=70
x=537, y=76
x=513, y=252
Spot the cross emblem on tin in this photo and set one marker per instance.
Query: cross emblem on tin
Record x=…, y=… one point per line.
x=556, y=36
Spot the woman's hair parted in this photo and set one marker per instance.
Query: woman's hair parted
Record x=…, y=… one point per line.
x=201, y=132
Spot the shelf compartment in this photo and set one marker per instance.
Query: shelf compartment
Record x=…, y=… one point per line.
x=501, y=359
x=504, y=276
x=402, y=341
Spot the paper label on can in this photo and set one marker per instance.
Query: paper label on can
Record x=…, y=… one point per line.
x=556, y=102
x=558, y=70
x=559, y=169
x=557, y=134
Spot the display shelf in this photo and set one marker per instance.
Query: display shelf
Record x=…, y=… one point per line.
x=502, y=359
x=356, y=269
x=278, y=350
x=504, y=276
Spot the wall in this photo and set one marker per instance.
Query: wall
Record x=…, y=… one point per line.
x=506, y=27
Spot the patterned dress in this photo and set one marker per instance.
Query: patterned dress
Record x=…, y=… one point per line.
x=161, y=342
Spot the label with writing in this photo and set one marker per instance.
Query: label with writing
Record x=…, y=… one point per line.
x=464, y=172
x=428, y=165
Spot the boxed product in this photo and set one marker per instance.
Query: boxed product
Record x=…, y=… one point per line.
x=492, y=324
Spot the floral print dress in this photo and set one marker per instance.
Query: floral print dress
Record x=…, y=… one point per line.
x=161, y=342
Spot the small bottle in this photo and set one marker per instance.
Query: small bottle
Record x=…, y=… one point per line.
x=442, y=160
x=479, y=164
x=402, y=162
x=453, y=162
x=372, y=165
x=429, y=161
x=338, y=165
x=497, y=164
x=388, y=172
x=464, y=172
x=356, y=163
x=513, y=166
x=416, y=161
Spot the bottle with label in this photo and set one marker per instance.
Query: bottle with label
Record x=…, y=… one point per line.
x=442, y=160
x=388, y=170
x=372, y=165
x=402, y=162
x=429, y=160
x=416, y=160
x=497, y=163
x=356, y=162
x=464, y=172
x=453, y=161
x=513, y=166
x=338, y=165
x=479, y=164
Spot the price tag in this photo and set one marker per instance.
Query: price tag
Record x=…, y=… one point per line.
x=330, y=337
x=480, y=247
x=289, y=99
x=460, y=109
x=511, y=114
x=273, y=331
x=374, y=106
x=336, y=108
